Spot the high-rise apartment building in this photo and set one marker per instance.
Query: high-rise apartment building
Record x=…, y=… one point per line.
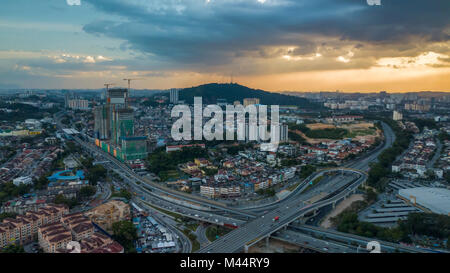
x=284, y=133
x=174, y=93
x=250, y=101
x=102, y=124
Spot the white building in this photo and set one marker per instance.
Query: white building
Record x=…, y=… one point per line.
x=78, y=104
x=397, y=116
x=25, y=180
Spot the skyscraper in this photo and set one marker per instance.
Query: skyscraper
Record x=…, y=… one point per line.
x=174, y=95
x=101, y=124
x=284, y=133
x=122, y=124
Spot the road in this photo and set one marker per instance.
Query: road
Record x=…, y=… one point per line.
x=291, y=208
x=201, y=235
x=265, y=225
x=288, y=209
x=353, y=239
x=319, y=245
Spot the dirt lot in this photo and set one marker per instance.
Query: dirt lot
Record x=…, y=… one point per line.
x=356, y=131
x=326, y=223
x=319, y=126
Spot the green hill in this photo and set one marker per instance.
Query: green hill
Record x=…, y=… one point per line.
x=232, y=92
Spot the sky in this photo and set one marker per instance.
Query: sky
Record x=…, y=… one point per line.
x=274, y=45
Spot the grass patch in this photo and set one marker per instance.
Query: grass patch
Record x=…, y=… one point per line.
x=213, y=231
x=193, y=238
x=360, y=132
x=313, y=183
x=328, y=133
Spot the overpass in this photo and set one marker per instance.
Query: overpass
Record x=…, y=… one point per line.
x=263, y=227
x=352, y=239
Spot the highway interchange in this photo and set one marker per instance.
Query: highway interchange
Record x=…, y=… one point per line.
x=254, y=223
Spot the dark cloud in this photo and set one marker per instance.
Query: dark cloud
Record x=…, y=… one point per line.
x=193, y=32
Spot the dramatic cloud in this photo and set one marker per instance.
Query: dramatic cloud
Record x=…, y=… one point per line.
x=250, y=39
x=218, y=32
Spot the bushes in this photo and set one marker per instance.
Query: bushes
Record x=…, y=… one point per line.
x=161, y=161
x=125, y=233
x=307, y=171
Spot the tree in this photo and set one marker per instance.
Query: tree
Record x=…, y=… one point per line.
x=95, y=173
x=307, y=171
x=371, y=195
x=7, y=215
x=13, y=249
x=87, y=191
x=61, y=199
x=123, y=193
x=125, y=233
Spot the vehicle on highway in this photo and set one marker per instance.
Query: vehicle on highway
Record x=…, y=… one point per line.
x=276, y=218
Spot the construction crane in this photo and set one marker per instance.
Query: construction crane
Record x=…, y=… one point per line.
x=107, y=85
x=129, y=82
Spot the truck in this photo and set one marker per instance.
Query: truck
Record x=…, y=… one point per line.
x=276, y=218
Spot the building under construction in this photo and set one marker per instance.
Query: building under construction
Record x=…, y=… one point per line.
x=114, y=128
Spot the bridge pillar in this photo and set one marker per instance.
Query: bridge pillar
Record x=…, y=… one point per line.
x=334, y=205
x=246, y=249
x=267, y=241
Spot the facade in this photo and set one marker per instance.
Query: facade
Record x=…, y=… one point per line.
x=25, y=180
x=250, y=101
x=102, y=124
x=122, y=124
x=134, y=148
x=24, y=228
x=343, y=119
x=117, y=96
x=55, y=236
x=213, y=191
x=78, y=104
x=174, y=94
x=397, y=116
x=284, y=133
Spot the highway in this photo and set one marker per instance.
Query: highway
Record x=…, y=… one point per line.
x=288, y=209
x=264, y=226
x=349, y=239
x=361, y=163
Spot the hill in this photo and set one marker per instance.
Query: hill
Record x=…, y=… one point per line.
x=232, y=92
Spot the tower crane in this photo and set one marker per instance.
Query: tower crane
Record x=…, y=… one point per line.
x=129, y=82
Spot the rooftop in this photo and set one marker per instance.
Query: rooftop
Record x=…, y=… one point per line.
x=435, y=199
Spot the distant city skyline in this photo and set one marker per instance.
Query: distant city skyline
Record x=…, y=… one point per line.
x=273, y=45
